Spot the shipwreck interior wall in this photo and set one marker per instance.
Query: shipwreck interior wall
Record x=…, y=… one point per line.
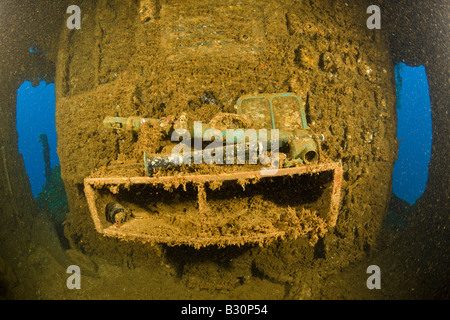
x=138, y=66
x=124, y=61
x=419, y=35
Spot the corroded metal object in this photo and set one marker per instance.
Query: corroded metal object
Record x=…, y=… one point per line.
x=197, y=209
x=152, y=227
x=115, y=213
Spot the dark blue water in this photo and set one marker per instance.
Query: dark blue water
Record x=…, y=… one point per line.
x=413, y=131
x=36, y=115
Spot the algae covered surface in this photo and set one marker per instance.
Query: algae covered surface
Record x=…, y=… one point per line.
x=185, y=58
x=172, y=60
